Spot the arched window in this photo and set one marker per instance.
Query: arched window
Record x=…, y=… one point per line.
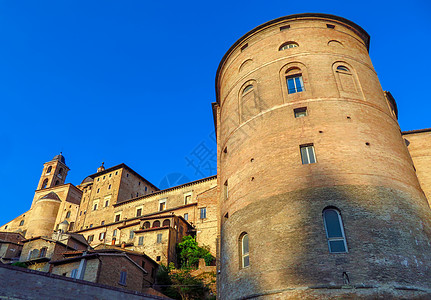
x=244, y=250
x=247, y=88
x=146, y=225
x=343, y=68
x=45, y=183
x=48, y=171
x=156, y=224
x=335, y=43
x=166, y=223
x=287, y=45
x=334, y=230
x=60, y=173
x=43, y=252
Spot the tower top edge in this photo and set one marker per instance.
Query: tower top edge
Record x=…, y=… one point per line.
x=362, y=33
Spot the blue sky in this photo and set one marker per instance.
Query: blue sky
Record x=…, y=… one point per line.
x=132, y=81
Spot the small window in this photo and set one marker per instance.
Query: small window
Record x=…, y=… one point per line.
x=102, y=223
x=146, y=225
x=106, y=203
x=187, y=199
x=114, y=233
x=127, y=175
x=57, y=182
x=74, y=273
x=98, y=190
x=45, y=183
x=123, y=276
x=295, y=84
x=21, y=223
x=110, y=175
x=334, y=231
x=247, y=88
x=101, y=236
x=162, y=205
x=90, y=238
x=288, y=45
x=146, y=188
x=166, y=223
x=307, y=154
x=203, y=214
x=158, y=258
x=131, y=234
x=95, y=206
x=139, y=183
x=104, y=177
x=159, y=238
x=139, y=212
x=244, y=47
x=109, y=187
x=284, y=27
x=343, y=68
x=186, y=216
x=137, y=194
x=141, y=240
x=80, y=213
x=116, y=173
x=42, y=252
x=244, y=250
x=68, y=215
x=330, y=26
x=300, y=112
x=91, y=225
x=156, y=224
x=5, y=227
x=60, y=173
x=48, y=171
x=117, y=217
x=98, y=179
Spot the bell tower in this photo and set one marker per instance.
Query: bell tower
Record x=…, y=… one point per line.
x=54, y=173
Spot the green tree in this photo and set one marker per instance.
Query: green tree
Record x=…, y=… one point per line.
x=188, y=286
x=190, y=253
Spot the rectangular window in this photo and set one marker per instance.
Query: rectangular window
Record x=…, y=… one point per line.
x=284, y=27
x=330, y=26
x=114, y=233
x=131, y=234
x=139, y=212
x=158, y=258
x=74, y=273
x=141, y=240
x=186, y=216
x=102, y=223
x=117, y=217
x=162, y=205
x=203, y=213
x=187, y=199
x=101, y=236
x=106, y=203
x=295, y=84
x=307, y=154
x=91, y=225
x=90, y=238
x=123, y=277
x=300, y=112
x=95, y=206
x=159, y=238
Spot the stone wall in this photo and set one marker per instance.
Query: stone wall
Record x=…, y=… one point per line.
x=20, y=283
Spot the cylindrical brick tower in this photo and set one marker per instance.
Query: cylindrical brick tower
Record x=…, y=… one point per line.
x=318, y=193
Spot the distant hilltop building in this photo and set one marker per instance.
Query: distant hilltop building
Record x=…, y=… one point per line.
x=319, y=193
